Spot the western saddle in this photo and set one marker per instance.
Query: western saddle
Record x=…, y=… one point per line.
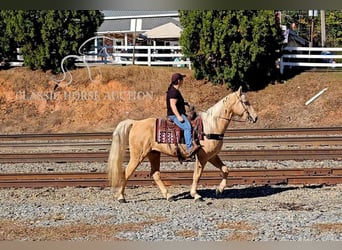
x=168, y=132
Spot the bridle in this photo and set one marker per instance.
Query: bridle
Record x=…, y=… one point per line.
x=228, y=119
x=244, y=105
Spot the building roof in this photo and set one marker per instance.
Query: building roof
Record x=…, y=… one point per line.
x=168, y=30
x=121, y=21
x=111, y=14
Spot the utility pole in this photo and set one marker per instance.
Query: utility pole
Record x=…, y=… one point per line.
x=312, y=14
x=134, y=39
x=312, y=32
x=323, y=34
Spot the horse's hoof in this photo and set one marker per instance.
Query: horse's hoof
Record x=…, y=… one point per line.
x=218, y=193
x=122, y=200
x=171, y=198
x=199, y=199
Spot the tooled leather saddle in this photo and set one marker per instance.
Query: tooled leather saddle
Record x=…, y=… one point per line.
x=168, y=132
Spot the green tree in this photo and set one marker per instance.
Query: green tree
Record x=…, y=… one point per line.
x=3, y=42
x=7, y=45
x=46, y=36
x=333, y=24
x=232, y=47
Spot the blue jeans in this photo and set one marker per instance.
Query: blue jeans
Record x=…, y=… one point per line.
x=186, y=126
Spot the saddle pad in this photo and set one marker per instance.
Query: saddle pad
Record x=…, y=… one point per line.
x=167, y=131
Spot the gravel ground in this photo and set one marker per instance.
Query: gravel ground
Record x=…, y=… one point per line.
x=243, y=213
x=102, y=167
x=260, y=213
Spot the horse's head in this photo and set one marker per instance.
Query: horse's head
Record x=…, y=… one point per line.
x=243, y=108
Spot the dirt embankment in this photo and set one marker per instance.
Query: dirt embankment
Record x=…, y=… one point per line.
x=29, y=103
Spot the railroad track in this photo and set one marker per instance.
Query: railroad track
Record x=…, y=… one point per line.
x=257, y=142
x=322, y=143
x=260, y=144
x=228, y=133
x=227, y=155
x=312, y=176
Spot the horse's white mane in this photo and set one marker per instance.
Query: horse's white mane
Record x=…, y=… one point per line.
x=210, y=116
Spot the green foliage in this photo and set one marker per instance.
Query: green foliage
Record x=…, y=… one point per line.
x=232, y=47
x=46, y=36
x=333, y=20
x=7, y=44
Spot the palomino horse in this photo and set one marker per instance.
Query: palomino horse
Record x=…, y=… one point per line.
x=140, y=136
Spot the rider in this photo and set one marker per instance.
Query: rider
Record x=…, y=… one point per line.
x=176, y=111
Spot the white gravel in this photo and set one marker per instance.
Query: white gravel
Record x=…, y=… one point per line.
x=102, y=166
x=260, y=213
x=248, y=213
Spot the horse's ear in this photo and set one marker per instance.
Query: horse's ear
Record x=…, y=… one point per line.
x=239, y=91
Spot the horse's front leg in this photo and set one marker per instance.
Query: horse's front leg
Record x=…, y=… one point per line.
x=198, y=170
x=217, y=162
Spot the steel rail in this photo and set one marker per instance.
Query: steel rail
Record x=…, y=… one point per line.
x=226, y=155
x=290, y=141
x=228, y=133
x=312, y=176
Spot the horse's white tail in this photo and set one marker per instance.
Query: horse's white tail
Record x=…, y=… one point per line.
x=117, y=151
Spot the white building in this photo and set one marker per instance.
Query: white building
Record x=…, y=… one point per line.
x=148, y=27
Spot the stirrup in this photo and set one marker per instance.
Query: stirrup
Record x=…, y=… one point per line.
x=193, y=151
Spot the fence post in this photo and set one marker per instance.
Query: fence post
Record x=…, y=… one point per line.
x=149, y=56
x=189, y=63
x=281, y=65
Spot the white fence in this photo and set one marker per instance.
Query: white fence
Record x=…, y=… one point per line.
x=139, y=55
x=312, y=57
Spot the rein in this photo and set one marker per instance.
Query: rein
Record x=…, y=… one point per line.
x=239, y=120
x=232, y=119
x=245, y=110
x=224, y=118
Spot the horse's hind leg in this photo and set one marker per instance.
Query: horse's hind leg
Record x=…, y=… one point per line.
x=217, y=162
x=132, y=165
x=154, y=157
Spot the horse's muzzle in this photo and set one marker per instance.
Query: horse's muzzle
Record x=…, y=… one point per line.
x=252, y=119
